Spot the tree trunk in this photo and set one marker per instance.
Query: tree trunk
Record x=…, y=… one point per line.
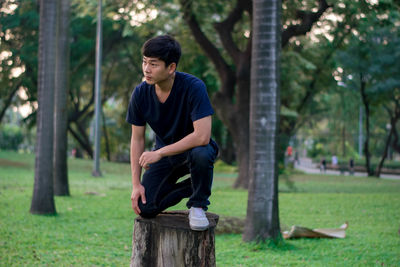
x=393, y=121
x=167, y=240
x=396, y=139
x=262, y=220
x=384, y=155
x=242, y=181
x=228, y=152
x=343, y=141
x=61, y=187
x=365, y=101
x=81, y=137
x=241, y=128
x=8, y=100
x=106, y=140
x=43, y=198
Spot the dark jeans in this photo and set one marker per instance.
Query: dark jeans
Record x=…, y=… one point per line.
x=160, y=181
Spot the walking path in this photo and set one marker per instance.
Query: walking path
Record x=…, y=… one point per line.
x=306, y=165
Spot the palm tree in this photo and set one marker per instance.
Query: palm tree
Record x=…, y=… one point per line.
x=262, y=210
x=43, y=198
x=61, y=187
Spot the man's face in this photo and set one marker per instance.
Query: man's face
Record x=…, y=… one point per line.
x=155, y=71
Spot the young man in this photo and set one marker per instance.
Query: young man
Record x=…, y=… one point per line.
x=176, y=106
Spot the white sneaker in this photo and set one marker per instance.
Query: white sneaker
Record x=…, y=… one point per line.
x=197, y=219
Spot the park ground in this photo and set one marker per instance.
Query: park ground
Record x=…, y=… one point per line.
x=94, y=226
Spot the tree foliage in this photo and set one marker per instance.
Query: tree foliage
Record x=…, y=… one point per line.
x=371, y=66
x=312, y=34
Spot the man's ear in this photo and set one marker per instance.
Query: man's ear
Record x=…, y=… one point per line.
x=172, y=67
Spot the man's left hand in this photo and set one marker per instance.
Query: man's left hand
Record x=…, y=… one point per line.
x=149, y=157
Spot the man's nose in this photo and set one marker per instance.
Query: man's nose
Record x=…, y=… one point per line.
x=146, y=68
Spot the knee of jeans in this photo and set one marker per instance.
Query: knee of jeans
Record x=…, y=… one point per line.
x=201, y=154
x=148, y=211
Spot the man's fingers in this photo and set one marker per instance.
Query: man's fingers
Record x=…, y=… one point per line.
x=136, y=208
x=137, y=211
x=144, y=164
x=135, y=205
x=142, y=161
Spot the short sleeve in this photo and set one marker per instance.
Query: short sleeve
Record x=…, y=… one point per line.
x=200, y=103
x=134, y=115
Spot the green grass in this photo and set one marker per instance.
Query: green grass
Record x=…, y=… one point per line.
x=96, y=229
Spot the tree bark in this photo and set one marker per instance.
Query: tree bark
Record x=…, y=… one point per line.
x=396, y=143
x=307, y=19
x=393, y=121
x=241, y=135
x=227, y=152
x=384, y=155
x=365, y=101
x=82, y=138
x=343, y=140
x=43, y=198
x=167, y=240
x=61, y=187
x=105, y=134
x=8, y=100
x=262, y=220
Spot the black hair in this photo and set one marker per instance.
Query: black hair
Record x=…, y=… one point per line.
x=163, y=47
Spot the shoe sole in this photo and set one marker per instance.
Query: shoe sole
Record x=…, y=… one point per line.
x=198, y=228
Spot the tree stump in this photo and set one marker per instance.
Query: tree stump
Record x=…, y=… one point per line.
x=167, y=240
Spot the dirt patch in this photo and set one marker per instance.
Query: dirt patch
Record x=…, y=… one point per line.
x=11, y=163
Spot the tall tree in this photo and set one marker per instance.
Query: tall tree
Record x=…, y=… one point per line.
x=385, y=69
x=232, y=64
x=366, y=100
x=394, y=118
x=371, y=65
x=61, y=187
x=262, y=209
x=43, y=198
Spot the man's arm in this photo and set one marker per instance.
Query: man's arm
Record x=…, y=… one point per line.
x=137, y=148
x=199, y=137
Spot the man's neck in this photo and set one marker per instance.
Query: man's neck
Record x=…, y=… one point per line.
x=166, y=85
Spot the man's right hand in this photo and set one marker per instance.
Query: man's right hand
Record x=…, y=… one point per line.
x=137, y=191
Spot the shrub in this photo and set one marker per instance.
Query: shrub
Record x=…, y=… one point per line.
x=10, y=137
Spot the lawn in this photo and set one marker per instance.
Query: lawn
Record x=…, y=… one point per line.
x=94, y=226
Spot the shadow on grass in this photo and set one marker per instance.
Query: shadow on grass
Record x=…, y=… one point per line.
x=12, y=163
x=272, y=245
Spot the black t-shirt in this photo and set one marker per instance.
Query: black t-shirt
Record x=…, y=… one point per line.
x=172, y=120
